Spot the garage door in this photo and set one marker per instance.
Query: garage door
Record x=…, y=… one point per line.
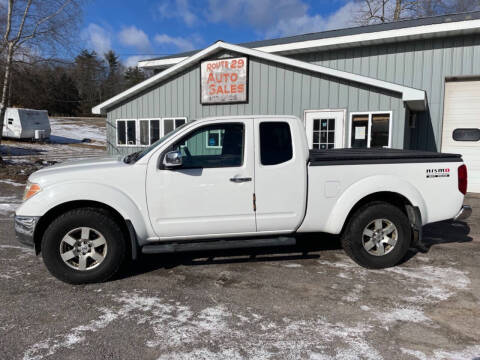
x=461, y=126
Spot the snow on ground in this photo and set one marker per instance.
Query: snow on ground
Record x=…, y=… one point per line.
x=177, y=326
x=66, y=142
x=180, y=332
x=8, y=205
x=66, y=130
x=11, y=182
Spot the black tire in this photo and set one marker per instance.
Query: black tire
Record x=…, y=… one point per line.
x=100, y=221
x=352, y=237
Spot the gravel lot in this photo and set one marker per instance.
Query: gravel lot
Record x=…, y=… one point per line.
x=308, y=301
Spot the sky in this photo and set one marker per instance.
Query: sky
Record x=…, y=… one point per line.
x=142, y=29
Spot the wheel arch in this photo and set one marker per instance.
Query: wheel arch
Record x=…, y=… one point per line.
x=390, y=197
x=125, y=225
x=385, y=188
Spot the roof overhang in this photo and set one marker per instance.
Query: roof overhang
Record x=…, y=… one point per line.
x=414, y=98
x=361, y=39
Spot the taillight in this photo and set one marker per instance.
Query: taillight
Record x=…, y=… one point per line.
x=462, y=179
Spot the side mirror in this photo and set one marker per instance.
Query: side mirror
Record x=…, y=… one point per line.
x=172, y=159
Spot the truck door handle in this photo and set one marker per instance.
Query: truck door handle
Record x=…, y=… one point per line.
x=240, y=179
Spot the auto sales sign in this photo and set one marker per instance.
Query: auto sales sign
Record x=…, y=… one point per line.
x=224, y=80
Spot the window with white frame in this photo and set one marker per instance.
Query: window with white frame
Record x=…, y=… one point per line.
x=170, y=124
x=144, y=132
x=149, y=131
x=126, y=132
x=371, y=129
x=214, y=139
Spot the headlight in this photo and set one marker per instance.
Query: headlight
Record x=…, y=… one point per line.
x=30, y=190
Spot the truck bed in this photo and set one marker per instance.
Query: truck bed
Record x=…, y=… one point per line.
x=377, y=156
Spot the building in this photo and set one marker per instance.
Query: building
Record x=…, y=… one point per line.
x=412, y=84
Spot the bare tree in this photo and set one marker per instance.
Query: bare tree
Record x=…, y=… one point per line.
x=382, y=11
x=34, y=27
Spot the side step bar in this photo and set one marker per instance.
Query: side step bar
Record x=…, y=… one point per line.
x=217, y=245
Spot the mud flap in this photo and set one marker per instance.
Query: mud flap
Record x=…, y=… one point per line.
x=415, y=218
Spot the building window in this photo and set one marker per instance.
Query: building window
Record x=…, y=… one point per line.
x=275, y=143
x=126, y=132
x=214, y=139
x=370, y=130
x=323, y=134
x=131, y=132
x=144, y=132
x=170, y=124
x=148, y=130
x=154, y=130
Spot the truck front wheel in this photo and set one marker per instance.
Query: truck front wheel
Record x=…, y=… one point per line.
x=377, y=235
x=83, y=246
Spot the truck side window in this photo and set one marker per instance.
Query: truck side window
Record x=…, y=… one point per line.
x=219, y=145
x=275, y=143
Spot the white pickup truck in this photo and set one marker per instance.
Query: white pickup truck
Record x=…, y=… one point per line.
x=232, y=182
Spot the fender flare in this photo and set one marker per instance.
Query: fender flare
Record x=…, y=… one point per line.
x=369, y=186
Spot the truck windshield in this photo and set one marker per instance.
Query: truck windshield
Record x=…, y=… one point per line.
x=139, y=154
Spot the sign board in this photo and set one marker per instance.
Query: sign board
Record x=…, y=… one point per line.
x=224, y=81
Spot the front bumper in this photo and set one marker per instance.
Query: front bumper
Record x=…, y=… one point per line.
x=464, y=213
x=25, y=228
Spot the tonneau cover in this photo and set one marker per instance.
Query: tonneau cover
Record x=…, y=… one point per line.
x=377, y=156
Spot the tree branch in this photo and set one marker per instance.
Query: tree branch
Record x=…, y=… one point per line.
x=41, y=21
x=9, y=22
x=20, y=29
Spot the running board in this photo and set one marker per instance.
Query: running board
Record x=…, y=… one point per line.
x=217, y=245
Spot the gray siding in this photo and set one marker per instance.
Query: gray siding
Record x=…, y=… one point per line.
x=273, y=89
x=423, y=64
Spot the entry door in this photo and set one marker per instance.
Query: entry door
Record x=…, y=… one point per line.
x=461, y=126
x=211, y=194
x=325, y=129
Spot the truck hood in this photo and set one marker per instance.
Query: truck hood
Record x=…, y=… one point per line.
x=79, y=170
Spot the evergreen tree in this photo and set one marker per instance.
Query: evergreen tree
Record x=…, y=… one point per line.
x=114, y=81
x=133, y=76
x=89, y=75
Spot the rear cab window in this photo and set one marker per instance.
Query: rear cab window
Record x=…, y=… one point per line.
x=275, y=143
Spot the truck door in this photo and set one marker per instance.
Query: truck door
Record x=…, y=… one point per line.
x=280, y=174
x=211, y=194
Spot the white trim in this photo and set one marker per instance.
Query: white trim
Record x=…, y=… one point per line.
x=218, y=131
x=126, y=136
x=149, y=127
x=137, y=129
x=162, y=131
x=417, y=97
x=369, y=134
x=409, y=33
x=344, y=120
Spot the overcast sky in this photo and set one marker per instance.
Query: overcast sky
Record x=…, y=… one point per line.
x=138, y=29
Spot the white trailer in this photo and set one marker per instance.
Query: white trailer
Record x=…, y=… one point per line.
x=26, y=124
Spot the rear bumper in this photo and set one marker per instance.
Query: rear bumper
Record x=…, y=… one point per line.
x=25, y=228
x=464, y=213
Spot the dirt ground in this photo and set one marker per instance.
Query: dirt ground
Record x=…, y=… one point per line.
x=309, y=301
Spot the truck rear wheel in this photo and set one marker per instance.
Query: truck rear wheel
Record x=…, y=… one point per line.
x=83, y=246
x=377, y=235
